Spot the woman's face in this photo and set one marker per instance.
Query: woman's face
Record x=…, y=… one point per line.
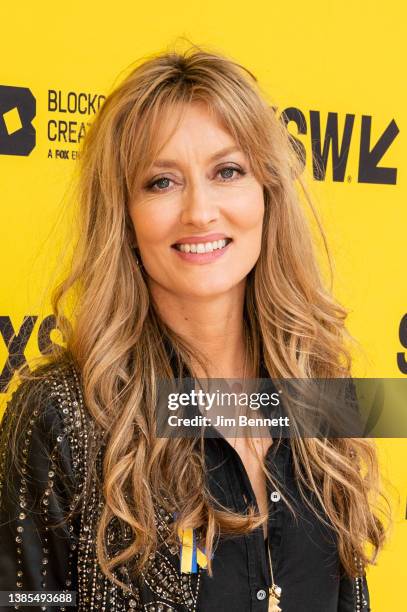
x=199, y=212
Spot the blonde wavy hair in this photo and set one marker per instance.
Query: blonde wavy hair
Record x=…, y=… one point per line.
x=118, y=341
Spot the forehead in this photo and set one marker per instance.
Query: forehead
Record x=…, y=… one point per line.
x=190, y=127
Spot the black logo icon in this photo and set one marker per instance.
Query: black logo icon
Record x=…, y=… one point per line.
x=17, y=110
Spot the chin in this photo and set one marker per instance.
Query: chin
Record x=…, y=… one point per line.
x=210, y=288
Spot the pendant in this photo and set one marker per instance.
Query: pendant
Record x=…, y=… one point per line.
x=274, y=598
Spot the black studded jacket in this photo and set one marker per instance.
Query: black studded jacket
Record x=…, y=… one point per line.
x=38, y=557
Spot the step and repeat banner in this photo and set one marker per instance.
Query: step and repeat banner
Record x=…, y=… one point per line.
x=335, y=69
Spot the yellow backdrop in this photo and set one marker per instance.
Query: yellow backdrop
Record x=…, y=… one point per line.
x=335, y=66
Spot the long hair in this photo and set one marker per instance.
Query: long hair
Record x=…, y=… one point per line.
x=118, y=340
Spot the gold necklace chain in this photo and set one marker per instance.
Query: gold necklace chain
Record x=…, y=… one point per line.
x=274, y=590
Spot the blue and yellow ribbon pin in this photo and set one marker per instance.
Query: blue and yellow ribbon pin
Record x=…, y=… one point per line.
x=191, y=554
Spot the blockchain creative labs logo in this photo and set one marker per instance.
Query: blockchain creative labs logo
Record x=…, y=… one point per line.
x=67, y=114
x=70, y=115
x=17, y=111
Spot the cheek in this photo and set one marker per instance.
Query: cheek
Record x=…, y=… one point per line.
x=247, y=210
x=152, y=223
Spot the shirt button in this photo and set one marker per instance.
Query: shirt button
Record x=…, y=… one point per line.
x=275, y=496
x=261, y=594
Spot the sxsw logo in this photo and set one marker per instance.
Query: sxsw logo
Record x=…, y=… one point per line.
x=333, y=143
x=16, y=342
x=17, y=110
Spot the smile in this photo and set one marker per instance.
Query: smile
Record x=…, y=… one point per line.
x=201, y=252
x=202, y=247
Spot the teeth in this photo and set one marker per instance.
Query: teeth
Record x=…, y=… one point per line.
x=201, y=247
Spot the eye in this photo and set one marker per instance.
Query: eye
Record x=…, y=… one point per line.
x=160, y=184
x=227, y=172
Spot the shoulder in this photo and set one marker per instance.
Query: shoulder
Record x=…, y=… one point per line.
x=45, y=411
x=42, y=459
x=46, y=391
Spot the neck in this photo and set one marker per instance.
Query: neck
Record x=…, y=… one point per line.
x=211, y=324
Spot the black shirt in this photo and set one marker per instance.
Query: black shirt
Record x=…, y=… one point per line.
x=303, y=551
x=34, y=556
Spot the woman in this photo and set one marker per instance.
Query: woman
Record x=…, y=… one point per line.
x=193, y=258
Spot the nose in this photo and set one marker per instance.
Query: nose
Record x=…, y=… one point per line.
x=199, y=206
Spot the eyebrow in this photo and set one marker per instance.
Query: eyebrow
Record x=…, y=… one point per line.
x=164, y=163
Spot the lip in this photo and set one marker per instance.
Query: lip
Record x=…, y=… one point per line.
x=198, y=239
x=202, y=258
